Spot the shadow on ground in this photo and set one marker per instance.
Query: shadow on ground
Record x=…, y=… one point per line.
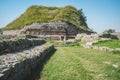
x=37, y=72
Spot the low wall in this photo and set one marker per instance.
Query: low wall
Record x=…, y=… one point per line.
x=17, y=45
x=11, y=32
x=102, y=48
x=21, y=65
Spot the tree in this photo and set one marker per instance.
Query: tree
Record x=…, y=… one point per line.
x=109, y=31
x=1, y=31
x=80, y=12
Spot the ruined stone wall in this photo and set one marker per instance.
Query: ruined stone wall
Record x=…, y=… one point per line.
x=101, y=48
x=49, y=26
x=17, y=45
x=11, y=32
x=20, y=65
x=87, y=38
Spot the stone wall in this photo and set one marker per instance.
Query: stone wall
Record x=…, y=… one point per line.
x=102, y=48
x=87, y=38
x=17, y=45
x=88, y=41
x=18, y=66
x=11, y=32
x=50, y=26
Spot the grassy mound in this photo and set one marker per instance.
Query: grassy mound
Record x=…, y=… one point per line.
x=49, y=14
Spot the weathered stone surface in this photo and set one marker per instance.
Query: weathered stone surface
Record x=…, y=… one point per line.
x=92, y=37
x=102, y=48
x=87, y=38
x=58, y=30
x=57, y=25
x=17, y=45
x=16, y=66
x=80, y=36
x=117, y=49
x=11, y=32
x=117, y=34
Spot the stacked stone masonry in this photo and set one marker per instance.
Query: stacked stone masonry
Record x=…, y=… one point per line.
x=16, y=66
x=89, y=40
x=17, y=45
x=102, y=48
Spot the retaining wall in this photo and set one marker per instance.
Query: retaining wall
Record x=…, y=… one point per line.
x=17, y=45
x=21, y=64
x=102, y=48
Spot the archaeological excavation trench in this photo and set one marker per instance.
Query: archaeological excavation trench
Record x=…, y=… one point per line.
x=20, y=65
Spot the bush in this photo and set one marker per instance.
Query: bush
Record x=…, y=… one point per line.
x=109, y=36
x=116, y=52
x=1, y=31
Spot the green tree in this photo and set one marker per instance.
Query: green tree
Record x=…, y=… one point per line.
x=109, y=31
x=1, y=31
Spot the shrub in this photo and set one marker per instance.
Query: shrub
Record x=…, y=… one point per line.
x=116, y=52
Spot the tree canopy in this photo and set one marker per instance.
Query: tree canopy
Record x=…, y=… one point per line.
x=109, y=31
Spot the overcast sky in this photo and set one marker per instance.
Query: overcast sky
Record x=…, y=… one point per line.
x=101, y=14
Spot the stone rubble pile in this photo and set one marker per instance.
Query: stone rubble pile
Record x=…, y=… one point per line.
x=87, y=38
x=16, y=66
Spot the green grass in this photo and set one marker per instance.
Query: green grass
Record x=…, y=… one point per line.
x=110, y=43
x=77, y=63
x=42, y=14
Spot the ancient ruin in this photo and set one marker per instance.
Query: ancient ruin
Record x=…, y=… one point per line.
x=58, y=30
x=18, y=65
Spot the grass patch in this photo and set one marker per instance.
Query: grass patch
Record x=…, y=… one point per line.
x=109, y=43
x=77, y=63
x=116, y=52
x=63, y=43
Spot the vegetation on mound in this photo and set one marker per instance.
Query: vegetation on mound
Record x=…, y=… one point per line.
x=1, y=31
x=75, y=63
x=109, y=43
x=48, y=14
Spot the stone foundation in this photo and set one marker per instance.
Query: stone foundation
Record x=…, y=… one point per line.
x=101, y=48
x=11, y=32
x=17, y=45
x=19, y=65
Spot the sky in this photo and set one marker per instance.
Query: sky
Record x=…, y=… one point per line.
x=101, y=14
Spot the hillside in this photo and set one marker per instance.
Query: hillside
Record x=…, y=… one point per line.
x=42, y=14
